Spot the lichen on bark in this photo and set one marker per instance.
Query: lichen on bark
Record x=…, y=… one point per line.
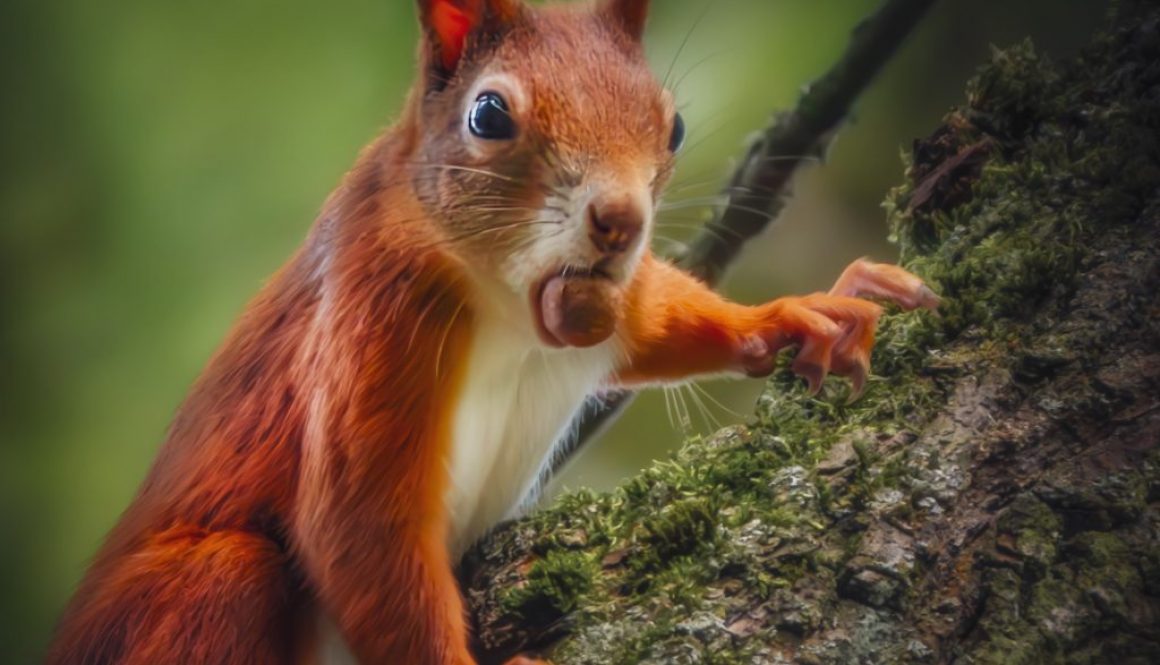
x=992, y=498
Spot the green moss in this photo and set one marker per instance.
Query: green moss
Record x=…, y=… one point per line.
x=1015, y=93
x=1004, y=636
x=681, y=527
x=1029, y=529
x=1102, y=552
x=554, y=585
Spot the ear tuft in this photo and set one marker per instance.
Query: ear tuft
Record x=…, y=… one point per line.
x=628, y=15
x=448, y=24
x=451, y=24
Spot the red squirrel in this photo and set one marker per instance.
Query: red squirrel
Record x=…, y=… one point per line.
x=395, y=389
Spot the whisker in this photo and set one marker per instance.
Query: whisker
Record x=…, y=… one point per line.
x=685, y=186
x=698, y=64
x=677, y=247
x=708, y=418
x=701, y=201
x=499, y=209
x=716, y=401
x=727, y=204
x=689, y=183
x=467, y=169
x=668, y=407
x=686, y=421
x=688, y=35
x=446, y=334
x=709, y=228
x=501, y=227
x=702, y=138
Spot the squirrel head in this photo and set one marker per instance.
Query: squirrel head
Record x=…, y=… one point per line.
x=542, y=142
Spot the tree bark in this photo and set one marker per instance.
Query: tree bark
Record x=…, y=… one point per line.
x=995, y=495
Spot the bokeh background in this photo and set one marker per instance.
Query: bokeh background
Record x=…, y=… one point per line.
x=159, y=159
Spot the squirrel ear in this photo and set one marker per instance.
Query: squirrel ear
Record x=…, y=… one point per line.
x=449, y=24
x=629, y=15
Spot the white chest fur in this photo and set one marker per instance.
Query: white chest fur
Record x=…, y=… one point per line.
x=517, y=401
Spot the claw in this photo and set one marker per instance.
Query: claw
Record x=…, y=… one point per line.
x=813, y=373
x=857, y=375
x=927, y=299
x=813, y=361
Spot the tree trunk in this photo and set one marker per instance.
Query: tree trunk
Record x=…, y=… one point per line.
x=995, y=495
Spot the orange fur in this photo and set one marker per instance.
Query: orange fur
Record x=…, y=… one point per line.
x=306, y=473
x=306, y=466
x=675, y=328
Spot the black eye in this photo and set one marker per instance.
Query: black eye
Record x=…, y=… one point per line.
x=489, y=118
x=678, y=138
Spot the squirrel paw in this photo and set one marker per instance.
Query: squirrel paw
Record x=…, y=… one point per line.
x=834, y=334
x=524, y=660
x=835, y=331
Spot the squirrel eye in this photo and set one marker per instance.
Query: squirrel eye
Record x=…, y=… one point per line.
x=489, y=118
x=678, y=138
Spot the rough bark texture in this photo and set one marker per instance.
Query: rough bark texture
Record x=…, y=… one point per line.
x=993, y=498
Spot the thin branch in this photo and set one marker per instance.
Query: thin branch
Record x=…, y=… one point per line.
x=756, y=192
x=758, y=187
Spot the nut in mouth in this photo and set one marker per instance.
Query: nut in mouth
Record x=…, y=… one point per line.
x=577, y=307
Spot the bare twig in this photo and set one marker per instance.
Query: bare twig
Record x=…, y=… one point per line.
x=757, y=189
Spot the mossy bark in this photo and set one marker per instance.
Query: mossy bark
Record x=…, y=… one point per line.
x=993, y=498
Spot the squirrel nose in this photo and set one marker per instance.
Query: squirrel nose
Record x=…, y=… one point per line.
x=614, y=227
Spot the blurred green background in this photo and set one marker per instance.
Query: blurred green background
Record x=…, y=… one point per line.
x=159, y=159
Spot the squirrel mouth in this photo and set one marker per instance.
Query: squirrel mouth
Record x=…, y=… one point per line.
x=578, y=308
